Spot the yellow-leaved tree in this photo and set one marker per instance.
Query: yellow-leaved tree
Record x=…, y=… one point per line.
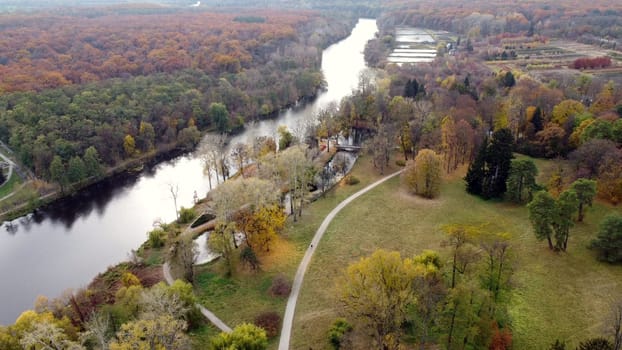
x=375, y=293
x=423, y=177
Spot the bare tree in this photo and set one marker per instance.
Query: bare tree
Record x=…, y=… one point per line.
x=183, y=253
x=174, y=189
x=98, y=329
x=241, y=153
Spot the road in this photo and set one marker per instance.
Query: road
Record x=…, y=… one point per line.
x=304, y=264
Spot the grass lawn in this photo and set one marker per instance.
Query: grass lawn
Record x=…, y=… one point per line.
x=245, y=295
x=8, y=186
x=563, y=295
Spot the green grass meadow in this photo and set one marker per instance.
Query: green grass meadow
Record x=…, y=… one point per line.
x=562, y=296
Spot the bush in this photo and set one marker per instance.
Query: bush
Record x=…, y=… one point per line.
x=400, y=162
x=248, y=257
x=157, y=238
x=129, y=279
x=186, y=215
x=352, y=180
x=337, y=332
x=280, y=286
x=270, y=321
x=609, y=240
x=595, y=344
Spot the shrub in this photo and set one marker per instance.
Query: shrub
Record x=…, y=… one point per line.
x=270, y=321
x=280, y=286
x=400, y=162
x=157, y=238
x=186, y=215
x=129, y=279
x=352, y=180
x=337, y=332
x=248, y=257
x=595, y=344
x=558, y=345
x=609, y=240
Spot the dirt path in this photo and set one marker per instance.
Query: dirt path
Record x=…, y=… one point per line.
x=288, y=318
x=166, y=270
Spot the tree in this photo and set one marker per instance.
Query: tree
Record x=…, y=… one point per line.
x=76, y=171
x=183, y=253
x=521, y=180
x=160, y=332
x=608, y=243
x=380, y=147
x=286, y=138
x=241, y=153
x=375, y=292
x=496, y=248
x=262, y=225
x=566, y=206
x=553, y=218
x=477, y=169
x=508, y=79
x=222, y=241
x=429, y=290
x=337, y=333
x=463, y=254
x=498, y=160
x=245, y=336
x=129, y=145
x=585, y=190
x=146, y=136
x=47, y=335
x=296, y=170
x=212, y=152
x=595, y=344
x=565, y=110
x=423, y=176
x=174, y=190
x=541, y=212
x=449, y=143
x=58, y=173
x=92, y=163
x=98, y=329
x=219, y=116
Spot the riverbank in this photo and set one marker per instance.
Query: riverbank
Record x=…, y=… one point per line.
x=129, y=167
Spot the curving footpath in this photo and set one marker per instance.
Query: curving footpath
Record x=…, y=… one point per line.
x=288, y=318
x=166, y=270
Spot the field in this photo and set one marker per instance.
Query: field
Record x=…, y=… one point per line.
x=563, y=296
x=551, y=61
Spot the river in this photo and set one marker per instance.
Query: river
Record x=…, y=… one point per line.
x=66, y=245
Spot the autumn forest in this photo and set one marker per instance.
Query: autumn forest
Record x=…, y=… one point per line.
x=464, y=193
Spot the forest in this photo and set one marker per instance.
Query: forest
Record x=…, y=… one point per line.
x=101, y=80
x=502, y=231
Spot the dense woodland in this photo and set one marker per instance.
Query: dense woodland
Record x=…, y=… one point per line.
x=455, y=113
x=145, y=84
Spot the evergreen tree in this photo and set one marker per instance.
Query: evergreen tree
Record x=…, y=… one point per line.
x=498, y=161
x=412, y=88
x=508, y=79
x=475, y=175
x=2, y=177
x=536, y=120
